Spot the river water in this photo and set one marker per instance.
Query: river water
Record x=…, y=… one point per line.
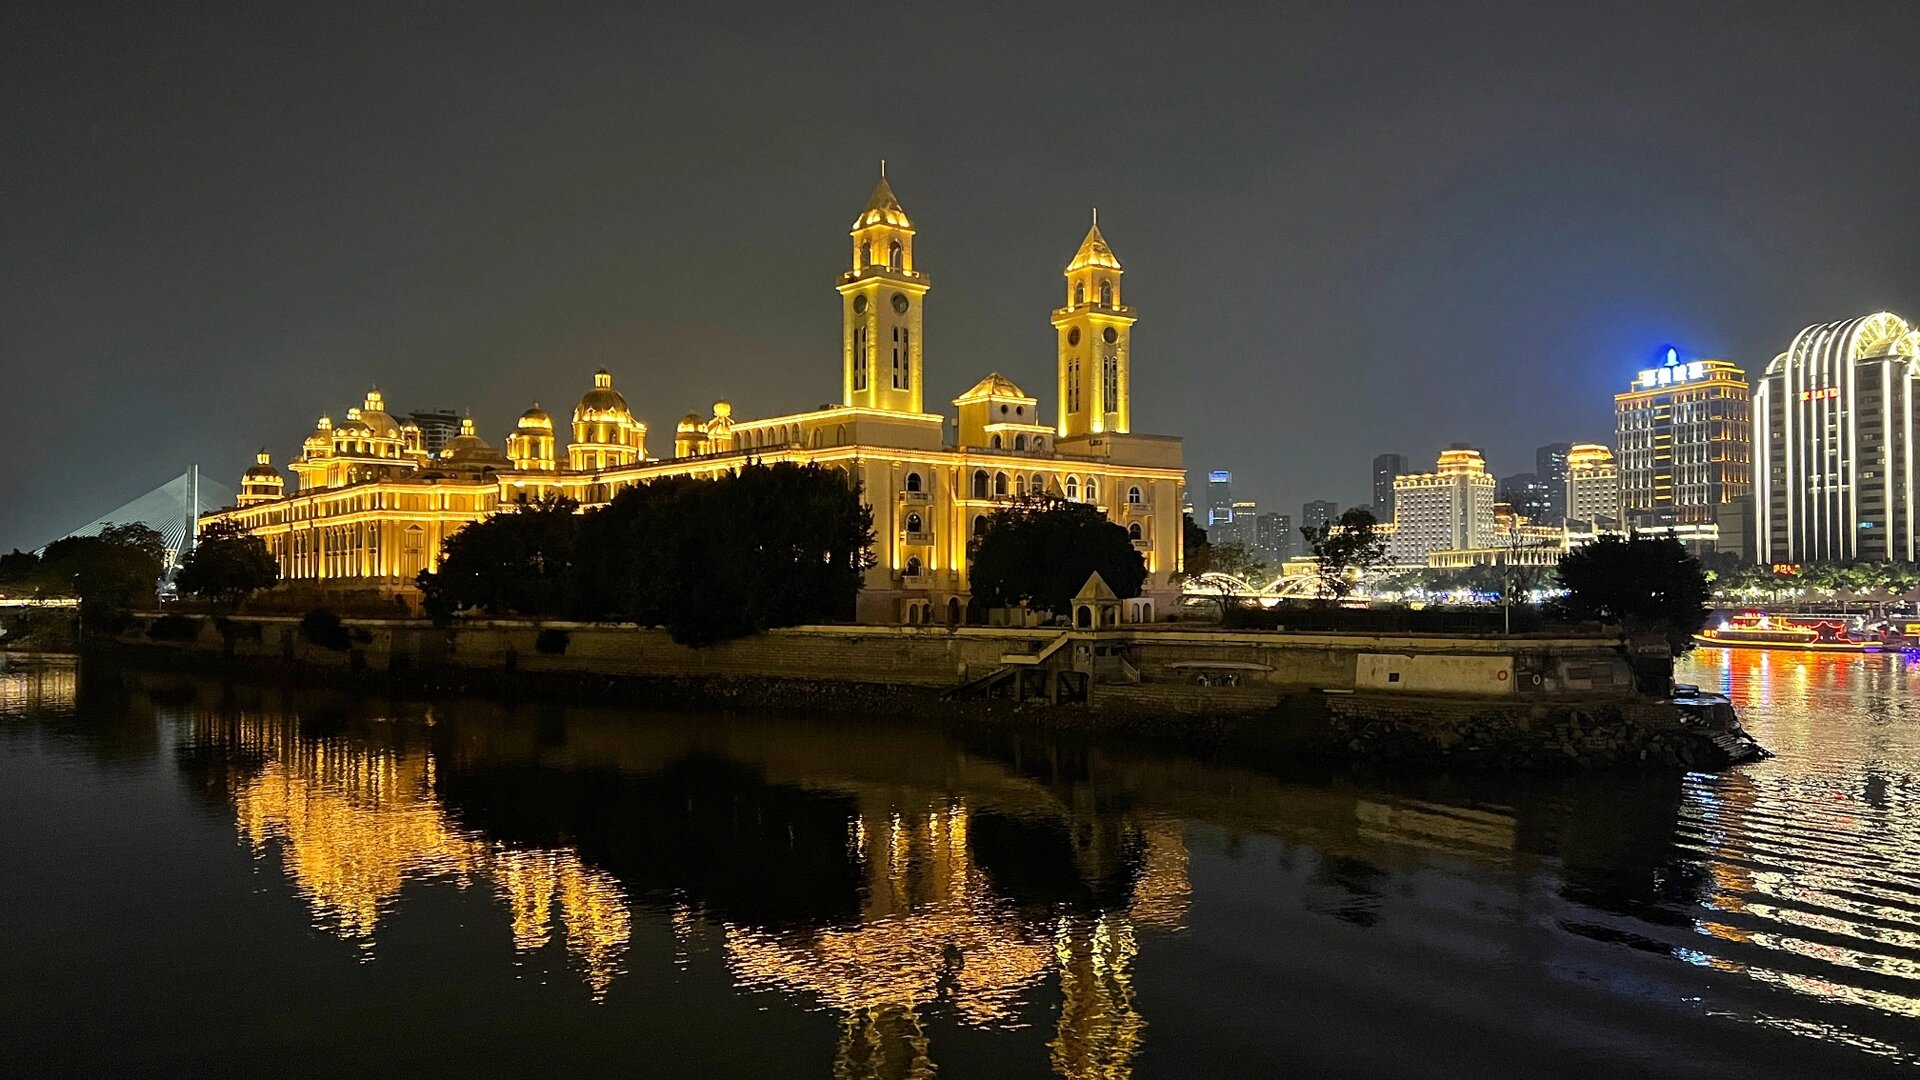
x=208, y=880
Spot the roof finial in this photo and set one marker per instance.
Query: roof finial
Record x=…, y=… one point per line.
x=1096, y=216
x=883, y=168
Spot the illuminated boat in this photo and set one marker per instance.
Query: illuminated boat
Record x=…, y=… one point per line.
x=1766, y=632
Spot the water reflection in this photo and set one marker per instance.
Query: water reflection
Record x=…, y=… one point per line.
x=909, y=886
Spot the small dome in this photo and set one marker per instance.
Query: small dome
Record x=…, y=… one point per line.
x=602, y=402
x=469, y=448
x=722, y=410
x=262, y=468
x=536, y=419
x=691, y=422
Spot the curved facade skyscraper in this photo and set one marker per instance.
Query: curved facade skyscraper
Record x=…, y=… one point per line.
x=1834, y=440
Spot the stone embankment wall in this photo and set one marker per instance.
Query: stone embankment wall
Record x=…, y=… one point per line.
x=1198, y=668
x=1480, y=701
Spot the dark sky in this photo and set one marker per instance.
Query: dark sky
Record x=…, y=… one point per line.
x=1348, y=228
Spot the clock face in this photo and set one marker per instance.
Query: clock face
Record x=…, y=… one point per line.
x=1111, y=335
x=859, y=305
x=1073, y=336
x=900, y=303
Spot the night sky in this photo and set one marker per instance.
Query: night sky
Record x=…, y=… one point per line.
x=1347, y=228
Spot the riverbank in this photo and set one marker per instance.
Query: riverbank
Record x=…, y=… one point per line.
x=1477, y=702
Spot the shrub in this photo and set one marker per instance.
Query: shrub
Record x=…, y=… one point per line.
x=323, y=628
x=174, y=628
x=236, y=631
x=551, y=641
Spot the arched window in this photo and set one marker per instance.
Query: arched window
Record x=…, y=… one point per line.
x=980, y=483
x=999, y=484
x=913, y=523
x=913, y=482
x=1020, y=442
x=1020, y=485
x=1106, y=294
x=979, y=524
x=1079, y=294
x=1133, y=496
x=996, y=440
x=1073, y=488
x=1133, y=531
x=1093, y=490
x=866, y=255
x=894, y=254
x=913, y=566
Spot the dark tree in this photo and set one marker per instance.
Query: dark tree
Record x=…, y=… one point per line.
x=226, y=564
x=107, y=572
x=514, y=562
x=1345, y=550
x=713, y=560
x=1195, y=549
x=1042, y=551
x=1642, y=583
x=19, y=572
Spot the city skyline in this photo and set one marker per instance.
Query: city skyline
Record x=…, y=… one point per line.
x=462, y=221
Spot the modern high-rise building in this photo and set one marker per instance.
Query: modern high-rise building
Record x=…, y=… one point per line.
x=1219, y=497
x=438, y=427
x=1530, y=497
x=1317, y=513
x=1836, y=429
x=1685, y=432
x=1386, y=469
x=1550, y=466
x=1448, y=509
x=1274, y=538
x=1593, y=486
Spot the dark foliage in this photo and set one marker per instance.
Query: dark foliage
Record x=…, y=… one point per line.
x=18, y=569
x=713, y=560
x=107, y=572
x=323, y=628
x=1194, y=546
x=513, y=562
x=1642, y=583
x=236, y=631
x=551, y=641
x=1345, y=549
x=174, y=628
x=226, y=564
x=1042, y=550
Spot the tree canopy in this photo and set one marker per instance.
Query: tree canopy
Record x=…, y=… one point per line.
x=515, y=561
x=107, y=572
x=226, y=564
x=1643, y=583
x=708, y=559
x=1344, y=550
x=1042, y=550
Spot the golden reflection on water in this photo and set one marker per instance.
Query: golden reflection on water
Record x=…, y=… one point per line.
x=36, y=684
x=354, y=824
x=1814, y=856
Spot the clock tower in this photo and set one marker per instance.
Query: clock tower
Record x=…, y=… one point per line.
x=1095, y=331
x=880, y=309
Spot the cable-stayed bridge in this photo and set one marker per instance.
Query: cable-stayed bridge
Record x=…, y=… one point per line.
x=173, y=510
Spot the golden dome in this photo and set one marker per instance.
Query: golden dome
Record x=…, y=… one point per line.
x=882, y=209
x=602, y=402
x=722, y=410
x=691, y=422
x=536, y=419
x=469, y=448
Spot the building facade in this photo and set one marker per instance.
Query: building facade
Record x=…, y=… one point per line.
x=1274, y=538
x=1836, y=426
x=1317, y=513
x=1448, y=509
x=1386, y=469
x=1219, y=497
x=1685, y=437
x=373, y=505
x=1593, y=486
x=1550, y=468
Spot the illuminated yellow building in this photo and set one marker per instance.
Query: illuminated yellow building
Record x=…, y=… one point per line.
x=1448, y=509
x=372, y=506
x=1593, y=486
x=1685, y=431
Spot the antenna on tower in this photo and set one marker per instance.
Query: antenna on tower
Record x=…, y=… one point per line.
x=883, y=168
x=1096, y=215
